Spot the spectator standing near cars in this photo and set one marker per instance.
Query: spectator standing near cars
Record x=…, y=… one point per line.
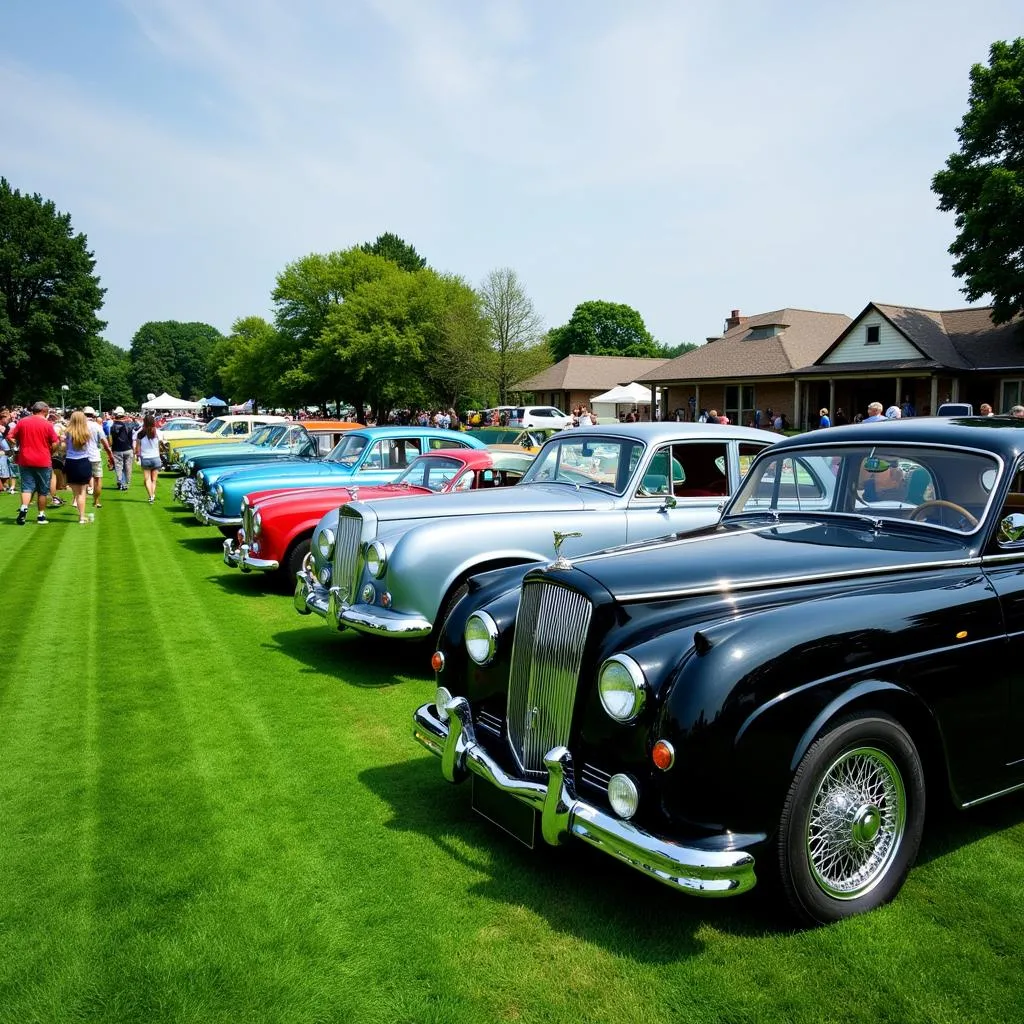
x=122, y=443
x=986, y=409
x=875, y=413
x=99, y=440
x=823, y=420
x=147, y=447
x=78, y=461
x=36, y=439
x=6, y=458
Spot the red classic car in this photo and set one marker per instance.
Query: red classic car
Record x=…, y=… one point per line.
x=277, y=525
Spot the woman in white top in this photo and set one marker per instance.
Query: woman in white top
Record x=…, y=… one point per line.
x=147, y=448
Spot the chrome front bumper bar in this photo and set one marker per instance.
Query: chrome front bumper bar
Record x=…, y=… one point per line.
x=238, y=557
x=375, y=620
x=309, y=596
x=207, y=518
x=692, y=870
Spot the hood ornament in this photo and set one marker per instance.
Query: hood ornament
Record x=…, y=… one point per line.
x=560, y=538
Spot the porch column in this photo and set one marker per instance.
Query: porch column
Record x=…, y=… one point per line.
x=696, y=402
x=831, y=397
x=935, y=394
x=899, y=392
x=954, y=395
x=797, y=411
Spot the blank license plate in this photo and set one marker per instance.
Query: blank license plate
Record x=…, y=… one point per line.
x=508, y=813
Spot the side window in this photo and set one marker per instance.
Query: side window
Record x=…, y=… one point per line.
x=433, y=443
x=748, y=452
x=375, y=457
x=700, y=470
x=326, y=442
x=657, y=477
x=402, y=451
x=240, y=427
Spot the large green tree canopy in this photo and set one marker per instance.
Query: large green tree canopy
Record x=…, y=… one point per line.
x=599, y=328
x=49, y=297
x=983, y=184
x=172, y=356
x=396, y=249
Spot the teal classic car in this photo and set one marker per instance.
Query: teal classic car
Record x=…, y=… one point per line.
x=371, y=455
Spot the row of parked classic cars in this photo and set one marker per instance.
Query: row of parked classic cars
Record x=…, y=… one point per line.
x=700, y=649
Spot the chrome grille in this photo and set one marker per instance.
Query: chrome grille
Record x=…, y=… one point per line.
x=346, y=554
x=247, y=522
x=551, y=631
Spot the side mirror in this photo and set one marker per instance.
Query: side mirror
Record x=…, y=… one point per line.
x=1011, y=528
x=669, y=503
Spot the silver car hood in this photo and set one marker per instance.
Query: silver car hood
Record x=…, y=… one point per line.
x=523, y=498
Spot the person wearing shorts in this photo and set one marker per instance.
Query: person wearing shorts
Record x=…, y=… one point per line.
x=36, y=439
x=77, y=464
x=97, y=440
x=147, y=448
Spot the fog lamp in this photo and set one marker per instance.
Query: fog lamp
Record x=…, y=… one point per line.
x=324, y=576
x=368, y=595
x=663, y=755
x=623, y=795
x=441, y=699
x=437, y=661
x=385, y=599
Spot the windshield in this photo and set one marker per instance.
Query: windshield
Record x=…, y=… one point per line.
x=434, y=472
x=213, y=426
x=262, y=435
x=586, y=460
x=938, y=487
x=348, y=449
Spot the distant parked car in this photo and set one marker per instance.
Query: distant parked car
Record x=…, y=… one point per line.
x=539, y=416
x=955, y=409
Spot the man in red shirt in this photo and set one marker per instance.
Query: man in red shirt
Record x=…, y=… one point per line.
x=36, y=440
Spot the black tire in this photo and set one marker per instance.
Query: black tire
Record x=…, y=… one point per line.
x=852, y=820
x=294, y=559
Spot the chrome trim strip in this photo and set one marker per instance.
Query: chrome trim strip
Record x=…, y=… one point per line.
x=1013, y=556
x=564, y=815
x=992, y=796
x=381, y=622
x=727, y=586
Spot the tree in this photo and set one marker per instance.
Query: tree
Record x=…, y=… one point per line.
x=49, y=297
x=251, y=361
x=393, y=248
x=169, y=355
x=671, y=351
x=599, y=328
x=516, y=352
x=106, y=377
x=983, y=184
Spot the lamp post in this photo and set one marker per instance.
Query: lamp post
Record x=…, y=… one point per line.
x=63, y=391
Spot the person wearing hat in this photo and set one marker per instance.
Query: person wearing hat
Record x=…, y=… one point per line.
x=97, y=440
x=122, y=433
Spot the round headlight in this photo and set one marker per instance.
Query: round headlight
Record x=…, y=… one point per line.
x=441, y=699
x=622, y=688
x=481, y=637
x=325, y=543
x=257, y=520
x=376, y=559
x=623, y=795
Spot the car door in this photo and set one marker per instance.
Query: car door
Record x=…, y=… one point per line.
x=683, y=485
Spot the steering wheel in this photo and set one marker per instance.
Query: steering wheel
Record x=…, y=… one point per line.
x=938, y=503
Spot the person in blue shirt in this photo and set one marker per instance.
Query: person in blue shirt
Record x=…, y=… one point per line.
x=824, y=421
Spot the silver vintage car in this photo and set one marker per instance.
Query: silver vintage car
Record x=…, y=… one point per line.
x=396, y=568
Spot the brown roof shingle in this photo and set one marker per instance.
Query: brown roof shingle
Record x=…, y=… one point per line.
x=581, y=373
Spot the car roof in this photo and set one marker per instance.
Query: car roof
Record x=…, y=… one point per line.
x=1001, y=435
x=655, y=433
x=328, y=424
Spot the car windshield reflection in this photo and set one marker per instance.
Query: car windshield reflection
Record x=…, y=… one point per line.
x=937, y=487
x=587, y=461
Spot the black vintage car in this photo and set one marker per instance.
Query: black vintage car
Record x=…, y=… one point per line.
x=779, y=691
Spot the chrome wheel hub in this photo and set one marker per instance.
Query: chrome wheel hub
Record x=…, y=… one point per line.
x=856, y=822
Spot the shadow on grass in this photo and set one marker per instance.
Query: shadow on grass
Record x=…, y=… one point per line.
x=947, y=829
x=362, y=661
x=576, y=889
x=186, y=519
x=205, y=544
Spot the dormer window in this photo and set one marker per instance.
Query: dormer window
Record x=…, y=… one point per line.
x=872, y=335
x=765, y=331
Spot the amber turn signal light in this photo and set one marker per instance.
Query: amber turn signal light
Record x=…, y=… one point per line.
x=437, y=661
x=663, y=755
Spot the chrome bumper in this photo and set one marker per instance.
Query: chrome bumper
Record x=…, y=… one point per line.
x=207, y=518
x=375, y=620
x=185, y=489
x=310, y=596
x=562, y=814
x=238, y=557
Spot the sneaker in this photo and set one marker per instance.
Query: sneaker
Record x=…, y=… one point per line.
x=56, y=502
x=81, y=521
x=22, y=515
x=42, y=520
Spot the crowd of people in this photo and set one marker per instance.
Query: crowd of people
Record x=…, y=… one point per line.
x=46, y=454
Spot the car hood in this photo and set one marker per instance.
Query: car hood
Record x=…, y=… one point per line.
x=523, y=499
x=754, y=553
x=274, y=498
x=251, y=453
x=284, y=473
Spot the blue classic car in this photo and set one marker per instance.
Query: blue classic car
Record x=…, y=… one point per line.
x=372, y=455
x=778, y=691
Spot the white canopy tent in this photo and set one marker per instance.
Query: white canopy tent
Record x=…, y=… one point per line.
x=168, y=403
x=606, y=405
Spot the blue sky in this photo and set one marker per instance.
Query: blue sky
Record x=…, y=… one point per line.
x=685, y=158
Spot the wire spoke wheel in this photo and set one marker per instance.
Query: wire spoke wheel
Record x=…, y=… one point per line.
x=856, y=822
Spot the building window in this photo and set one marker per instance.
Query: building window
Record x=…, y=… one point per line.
x=739, y=404
x=1012, y=391
x=873, y=331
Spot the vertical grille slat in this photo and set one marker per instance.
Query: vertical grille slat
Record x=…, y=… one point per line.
x=551, y=632
x=346, y=553
x=247, y=523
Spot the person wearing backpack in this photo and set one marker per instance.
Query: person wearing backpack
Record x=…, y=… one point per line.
x=122, y=443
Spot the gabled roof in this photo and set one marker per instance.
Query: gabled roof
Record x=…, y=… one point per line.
x=583, y=373
x=804, y=336
x=955, y=339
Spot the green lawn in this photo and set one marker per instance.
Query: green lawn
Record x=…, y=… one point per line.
x=211, y=809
